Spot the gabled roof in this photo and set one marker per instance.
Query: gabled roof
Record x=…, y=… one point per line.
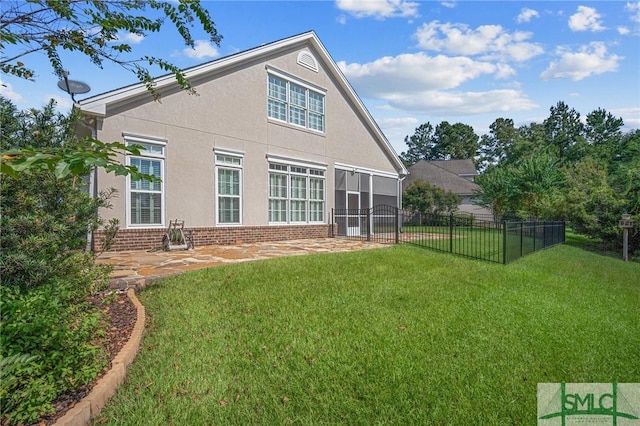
x=443, y=174
x=97, y=105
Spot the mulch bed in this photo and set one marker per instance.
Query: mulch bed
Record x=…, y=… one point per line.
x=121, y=314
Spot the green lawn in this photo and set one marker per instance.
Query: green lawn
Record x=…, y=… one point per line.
x=400, y=335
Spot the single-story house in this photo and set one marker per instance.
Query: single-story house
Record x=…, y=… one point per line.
x=275, y=139
x=450, y=175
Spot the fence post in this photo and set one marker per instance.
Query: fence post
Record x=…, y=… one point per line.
x=504, y=242
x=397, y=225
x=368, y=219
x=332, y=225
x=521, y=238
x=450, y=232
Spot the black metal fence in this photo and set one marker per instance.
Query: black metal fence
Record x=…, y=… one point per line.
x=479, y=237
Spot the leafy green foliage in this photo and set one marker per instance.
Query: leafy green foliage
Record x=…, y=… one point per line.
x=423, y=197
x=445, y=142
x=91, y=27
x=587, y=173
x=46, y=328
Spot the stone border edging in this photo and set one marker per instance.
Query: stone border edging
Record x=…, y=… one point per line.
x=91, y=405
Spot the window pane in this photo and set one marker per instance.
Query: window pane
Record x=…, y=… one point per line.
x=277, y=110
x=316, y=121
x=316, y=189
x=277, y=210
x=298, y=187
x=277, y=186
x=146, y=208
x=297, y=116
x=298, y=211
x=316, y=102
x=277, y=88
x=228, y=182
x=316, y=211
x=297, y=95
x=147, y=167
x=229, y=210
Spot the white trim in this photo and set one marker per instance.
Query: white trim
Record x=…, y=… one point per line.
x=216, y=196
x=134, y=137
x=229, y=152
x=295, y=80
x=163, y=202
x=307, y=60
x=358, y=169
x=296, y=162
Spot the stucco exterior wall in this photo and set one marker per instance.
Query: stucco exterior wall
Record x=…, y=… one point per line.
x=230, y=112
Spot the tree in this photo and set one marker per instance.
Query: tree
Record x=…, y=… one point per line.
x=420, y=145
x=423, y=197
x=445, y=142
x=46, y=327
x=90, y=27
x=455, y=142
x=564, y=133
x=528, y=189
x=603, y=132
x=495, y=146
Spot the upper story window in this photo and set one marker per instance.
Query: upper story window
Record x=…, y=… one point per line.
x=295, y=103
x=146, y=198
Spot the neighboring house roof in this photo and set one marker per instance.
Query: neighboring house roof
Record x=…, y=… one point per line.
x=450, y=175
x=97, y=105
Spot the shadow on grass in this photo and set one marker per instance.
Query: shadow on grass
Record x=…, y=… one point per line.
x=600, y=247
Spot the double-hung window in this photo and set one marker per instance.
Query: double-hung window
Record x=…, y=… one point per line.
x=295, y=102
x=229, y=188
x=296, y=194
x=145, y=197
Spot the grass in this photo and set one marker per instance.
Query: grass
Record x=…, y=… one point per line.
x=400, y=335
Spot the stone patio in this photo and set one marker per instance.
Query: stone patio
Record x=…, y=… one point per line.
x=137, y=268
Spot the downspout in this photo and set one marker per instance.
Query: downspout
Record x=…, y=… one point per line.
x=91, y=124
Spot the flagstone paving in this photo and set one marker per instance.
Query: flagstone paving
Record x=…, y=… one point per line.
x=136, y=268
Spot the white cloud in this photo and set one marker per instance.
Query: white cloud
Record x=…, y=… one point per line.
x=202, y=49
x=630, y=116
x=490, y=40
x=623, y=30
x=417, y=72
x=462, y=103
x=6, y=90
x=449, y=4
x=131, y=38
x=586, y=19
x=341, y=19
x=589, y=60
x=526, y=15
x=634, y=10
x=379, y=9
x=63, y=102
x=397, y=122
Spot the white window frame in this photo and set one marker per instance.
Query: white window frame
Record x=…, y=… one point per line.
x=156, y=143
x=295, y=170
x=309, y=112
x=236, y=164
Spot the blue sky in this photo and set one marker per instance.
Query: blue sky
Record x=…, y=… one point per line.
x=416, y=62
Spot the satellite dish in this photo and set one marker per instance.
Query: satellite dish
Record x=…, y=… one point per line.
x=73, y=87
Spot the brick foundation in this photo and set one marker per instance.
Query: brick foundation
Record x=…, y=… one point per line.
x=146, y=239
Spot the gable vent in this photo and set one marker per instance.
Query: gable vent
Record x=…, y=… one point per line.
x=307, y=60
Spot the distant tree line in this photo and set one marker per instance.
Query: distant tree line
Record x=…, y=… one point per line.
x=585, y=171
